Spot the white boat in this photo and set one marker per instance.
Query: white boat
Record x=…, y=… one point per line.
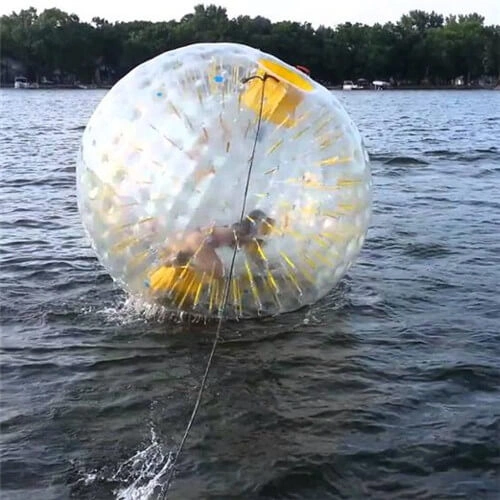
x=349, y=85
x=21, y=82
x=380, y=84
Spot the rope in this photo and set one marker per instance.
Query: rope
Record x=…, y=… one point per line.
x=222, y=309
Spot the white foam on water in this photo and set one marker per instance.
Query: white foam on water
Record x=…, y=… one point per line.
x=141, y=475
x=131, y=310
x=134, y=310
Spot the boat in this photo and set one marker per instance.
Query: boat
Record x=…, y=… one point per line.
x=21, y=82
x=380, y=84
x=359, y=84
x=349, y=85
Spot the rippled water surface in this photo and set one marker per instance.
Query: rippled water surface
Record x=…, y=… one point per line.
x=388, y=388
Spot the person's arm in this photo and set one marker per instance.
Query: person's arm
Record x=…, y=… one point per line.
x=221, y=236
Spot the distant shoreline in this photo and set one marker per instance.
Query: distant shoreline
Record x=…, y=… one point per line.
x=419, y=51
x=329, y=87
x=59, y=87
x=418, y=87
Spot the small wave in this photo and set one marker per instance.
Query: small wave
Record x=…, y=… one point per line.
x=44, y=223
x=380, y=157
x=43, y=181
x=405, y=160
x=427, y=250
x=394, y=172
x=469, y=155
x=486, y=172
x=493, y=149
x=482, y=377
x=446, y=153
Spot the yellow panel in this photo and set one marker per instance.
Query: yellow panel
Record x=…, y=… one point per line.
x=282, y=93
x=288, y=75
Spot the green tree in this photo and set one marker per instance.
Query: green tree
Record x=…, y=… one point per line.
x=420, y=47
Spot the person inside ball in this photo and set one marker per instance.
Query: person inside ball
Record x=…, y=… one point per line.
x=198, y=248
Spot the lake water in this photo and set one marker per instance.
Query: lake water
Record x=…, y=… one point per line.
x=389, y=388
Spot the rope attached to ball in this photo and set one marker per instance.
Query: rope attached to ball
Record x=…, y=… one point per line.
x=221, y=312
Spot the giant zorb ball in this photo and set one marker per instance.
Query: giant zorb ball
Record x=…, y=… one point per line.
x=162, y=179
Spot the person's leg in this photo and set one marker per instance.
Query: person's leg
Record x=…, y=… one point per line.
x=207, y=261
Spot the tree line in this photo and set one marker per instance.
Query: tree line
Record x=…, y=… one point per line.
x=420, y=48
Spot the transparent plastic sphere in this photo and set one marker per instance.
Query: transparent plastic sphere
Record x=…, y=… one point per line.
x=162, y=176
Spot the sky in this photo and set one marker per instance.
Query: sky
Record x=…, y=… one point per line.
x=326, y=12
